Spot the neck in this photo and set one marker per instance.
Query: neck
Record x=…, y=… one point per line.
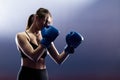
x=33, y=29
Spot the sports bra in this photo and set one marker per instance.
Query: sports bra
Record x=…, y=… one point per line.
x=34, y=47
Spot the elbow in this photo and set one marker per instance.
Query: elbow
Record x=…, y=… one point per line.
x=35, y=59
x=59, y=62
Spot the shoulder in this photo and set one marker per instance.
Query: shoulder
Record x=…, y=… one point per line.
x=21, y=36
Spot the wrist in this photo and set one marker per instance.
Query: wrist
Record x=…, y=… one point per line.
x=69, y=50
x=45, y=43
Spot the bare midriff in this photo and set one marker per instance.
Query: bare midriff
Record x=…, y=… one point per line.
x=40, y=64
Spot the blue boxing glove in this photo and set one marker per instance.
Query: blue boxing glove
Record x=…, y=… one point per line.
x=73, y=40
x=49, y=34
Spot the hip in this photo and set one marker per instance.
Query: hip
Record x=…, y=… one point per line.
x=26, y=73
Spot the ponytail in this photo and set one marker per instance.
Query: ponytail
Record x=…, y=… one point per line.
x=30, y=21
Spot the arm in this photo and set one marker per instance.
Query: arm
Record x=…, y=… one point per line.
x=23, y=43
x=55, y=55
x=49, y=34
x=73, y=40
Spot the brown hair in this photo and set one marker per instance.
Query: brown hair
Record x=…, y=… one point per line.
x=30, y=21
x=41, y=12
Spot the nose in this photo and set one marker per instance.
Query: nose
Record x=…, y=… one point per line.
x=47, y=23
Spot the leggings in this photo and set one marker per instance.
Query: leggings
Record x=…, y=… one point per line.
x=27, y=73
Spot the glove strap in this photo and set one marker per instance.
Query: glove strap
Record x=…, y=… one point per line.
x=45, y=43
x=69, y=50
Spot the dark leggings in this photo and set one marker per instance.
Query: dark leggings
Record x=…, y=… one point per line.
x=26, y=73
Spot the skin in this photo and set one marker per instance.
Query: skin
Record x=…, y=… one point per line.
x=34, y=59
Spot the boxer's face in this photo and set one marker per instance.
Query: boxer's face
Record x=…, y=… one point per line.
x=48, y=21
x=42, y=22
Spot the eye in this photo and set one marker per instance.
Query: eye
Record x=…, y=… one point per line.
x=46, y=21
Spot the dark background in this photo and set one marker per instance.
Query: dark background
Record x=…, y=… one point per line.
x=97, y=58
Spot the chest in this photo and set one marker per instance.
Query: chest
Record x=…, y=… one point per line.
x=35, y=38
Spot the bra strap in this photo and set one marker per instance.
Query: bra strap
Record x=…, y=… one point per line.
x=27, y=34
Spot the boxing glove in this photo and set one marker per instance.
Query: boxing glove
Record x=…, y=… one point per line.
x=49, y=34
x=73, y=40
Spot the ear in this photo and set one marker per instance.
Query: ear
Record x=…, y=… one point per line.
x=35, y=17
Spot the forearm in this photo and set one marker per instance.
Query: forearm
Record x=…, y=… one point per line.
x=56, y=56
x=62, y=57
x=38, y=52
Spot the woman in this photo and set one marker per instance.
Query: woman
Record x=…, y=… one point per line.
x=33, y=50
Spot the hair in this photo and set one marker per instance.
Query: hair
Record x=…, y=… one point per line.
x=41, y=12
x=30, y=21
